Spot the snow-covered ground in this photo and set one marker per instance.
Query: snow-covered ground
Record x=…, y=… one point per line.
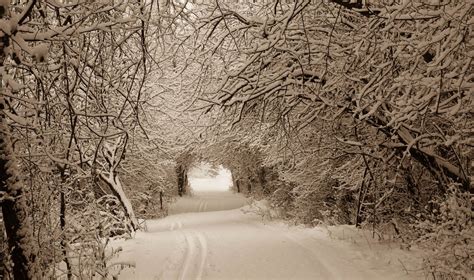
x=241, y=244
x=207, y=202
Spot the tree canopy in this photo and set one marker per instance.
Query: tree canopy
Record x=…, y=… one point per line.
x=353, y=112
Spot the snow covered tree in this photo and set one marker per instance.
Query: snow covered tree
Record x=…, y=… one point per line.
x=73, y=82
x=387, y=85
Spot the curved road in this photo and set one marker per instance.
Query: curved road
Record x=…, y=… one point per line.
x=236, y=244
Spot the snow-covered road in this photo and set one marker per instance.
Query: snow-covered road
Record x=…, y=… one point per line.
x=239, y=244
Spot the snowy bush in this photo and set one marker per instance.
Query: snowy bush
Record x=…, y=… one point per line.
x=448, y=236
x=282, y=198
x=112, y=220
x=262, y=208
x=322, y=203
x=87, y=235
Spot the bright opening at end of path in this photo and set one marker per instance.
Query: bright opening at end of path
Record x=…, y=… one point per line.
x=204, y=178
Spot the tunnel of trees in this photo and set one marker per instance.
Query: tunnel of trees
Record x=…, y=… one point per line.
x=336, y=112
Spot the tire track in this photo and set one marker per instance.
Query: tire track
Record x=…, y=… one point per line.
x=195, y=256
x=190, y=248
x=175, y=225
x=318, y=260
x=203, y=245
x=201, y=206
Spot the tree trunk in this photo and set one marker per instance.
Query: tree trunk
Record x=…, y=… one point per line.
x=62, y=219
x=13, y=203
x=235, y=182
x=181, y=173
x=5, y=269
x=433, y=162
x=62, y=222
x=185, y=181
x=360, y=199
x=161, y=200
x=262, y=181
x=116, y=187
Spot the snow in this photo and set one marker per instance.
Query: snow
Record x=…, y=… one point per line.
x=40, y=52
x=5, y=26
x=11, y=83
x=206, y=202
x=237, y=244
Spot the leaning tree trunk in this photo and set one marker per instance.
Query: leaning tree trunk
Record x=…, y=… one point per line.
x=115, y=186
x=13, y=203
x=113, y=157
